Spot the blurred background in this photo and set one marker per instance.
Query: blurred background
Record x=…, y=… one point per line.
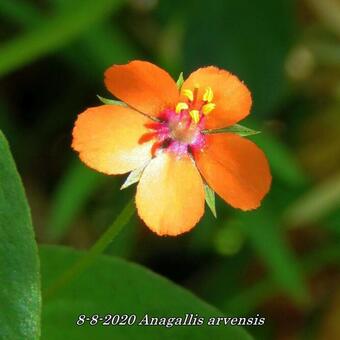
x=281, y=261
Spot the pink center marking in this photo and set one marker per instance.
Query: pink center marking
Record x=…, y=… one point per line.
x=177, y=133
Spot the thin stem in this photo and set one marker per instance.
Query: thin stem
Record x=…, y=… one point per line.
x=98, y=248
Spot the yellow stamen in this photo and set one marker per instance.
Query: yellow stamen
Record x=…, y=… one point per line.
x=207, y=108
x=181, y=106
x=208, y=95
x=189, y=94
x=195, y=115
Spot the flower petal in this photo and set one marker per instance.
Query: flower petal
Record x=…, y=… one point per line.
x=170, y=195
x=231, y=96
x=143, y=86
x=107, y=139
x=236, y=169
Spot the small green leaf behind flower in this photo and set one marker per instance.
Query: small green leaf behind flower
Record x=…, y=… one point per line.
x=180, y=81
x=240, y=130
x=210, y=199
x=133, y=177
x=111, y=101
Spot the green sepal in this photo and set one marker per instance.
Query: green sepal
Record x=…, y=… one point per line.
x=210, y=199
x=180, y=81
x=111, y=101
x=134, y=177
x=237, y=128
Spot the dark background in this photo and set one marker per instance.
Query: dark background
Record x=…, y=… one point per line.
x=281, y=261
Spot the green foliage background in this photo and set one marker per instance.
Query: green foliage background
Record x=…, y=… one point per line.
x=281, y=261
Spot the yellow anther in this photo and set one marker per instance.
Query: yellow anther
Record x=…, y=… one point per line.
x=181, y=106
x=189, y=94
x=208, y=95
x=195, y=115
x=207, y=108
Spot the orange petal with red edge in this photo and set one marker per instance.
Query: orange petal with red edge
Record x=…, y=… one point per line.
x=236, y=169
x=170, y=195
x=143, y=86
x=232, y=98
x=107, y=139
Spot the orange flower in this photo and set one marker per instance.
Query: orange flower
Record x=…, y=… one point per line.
x=169, y=134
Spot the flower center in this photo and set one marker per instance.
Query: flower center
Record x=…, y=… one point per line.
x=180, y=129
x=183, y=130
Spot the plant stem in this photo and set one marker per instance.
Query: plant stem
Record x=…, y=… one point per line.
x=98, y=248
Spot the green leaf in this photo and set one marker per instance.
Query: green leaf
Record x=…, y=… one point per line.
x=111, y=101
x=19, y=263
x=210, y=199
x=115, y=286
x=180, y=81
x=237, y=128
x=72, y=193
x=134, y=177
x=55, y=33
